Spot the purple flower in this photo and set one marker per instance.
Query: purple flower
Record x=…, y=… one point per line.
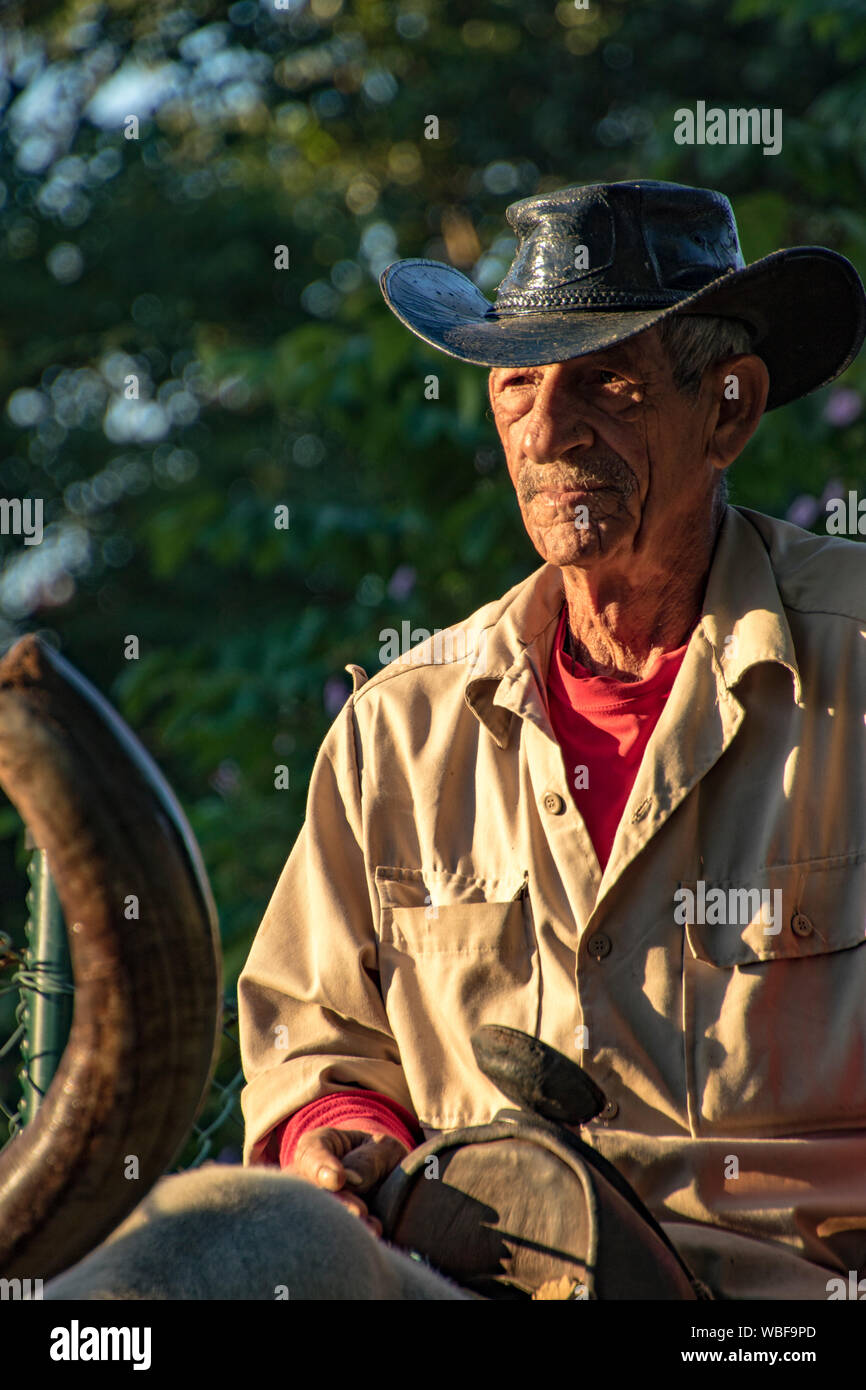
x=227, y=777
x=843, y=407
x=803, y=510
x=402, y=582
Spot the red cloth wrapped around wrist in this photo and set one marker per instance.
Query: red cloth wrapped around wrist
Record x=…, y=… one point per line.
x=367, y=1110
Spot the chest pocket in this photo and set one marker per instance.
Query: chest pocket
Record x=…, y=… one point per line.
x=775, y=1002
x=454, y=953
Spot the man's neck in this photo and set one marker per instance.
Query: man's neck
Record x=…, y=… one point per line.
x=603, y=655
x=620, y=628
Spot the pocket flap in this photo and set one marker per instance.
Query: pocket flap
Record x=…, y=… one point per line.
x=781, y=913
x=437, y=911
x=421, y=887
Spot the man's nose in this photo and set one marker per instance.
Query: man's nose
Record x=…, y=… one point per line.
x=557, y=421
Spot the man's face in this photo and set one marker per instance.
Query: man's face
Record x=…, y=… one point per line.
x=610, y=461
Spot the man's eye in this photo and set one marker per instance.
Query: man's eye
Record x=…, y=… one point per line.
x=610, y=377
x=516, y=381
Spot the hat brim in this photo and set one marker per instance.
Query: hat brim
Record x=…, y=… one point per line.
x=806, y=304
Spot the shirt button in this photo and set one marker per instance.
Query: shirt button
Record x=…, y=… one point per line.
x=599, y=945
x=801, y=925
x=554, y=803
x=610, y=1111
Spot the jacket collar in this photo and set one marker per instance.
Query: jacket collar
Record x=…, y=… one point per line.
x=742, y=620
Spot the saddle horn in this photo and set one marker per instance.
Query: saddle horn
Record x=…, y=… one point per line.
x=536, y=1076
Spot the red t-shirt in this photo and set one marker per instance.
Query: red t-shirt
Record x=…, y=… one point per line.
x=602, y=727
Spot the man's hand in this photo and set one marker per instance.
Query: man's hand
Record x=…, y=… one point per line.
x=347, y=1162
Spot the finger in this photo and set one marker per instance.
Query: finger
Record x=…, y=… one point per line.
x=319, y=1154
x=353, y=1204
x=373, y=1160
x=357, y=1208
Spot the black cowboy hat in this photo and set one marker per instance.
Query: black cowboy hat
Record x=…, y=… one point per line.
x=597, y=263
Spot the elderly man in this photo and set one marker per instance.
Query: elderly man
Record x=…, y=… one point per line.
x=628, y=817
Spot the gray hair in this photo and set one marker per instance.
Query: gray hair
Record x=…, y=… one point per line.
x=694, y=342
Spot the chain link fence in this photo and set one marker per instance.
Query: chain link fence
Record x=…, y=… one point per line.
x=36, y=974
x=218, y=1132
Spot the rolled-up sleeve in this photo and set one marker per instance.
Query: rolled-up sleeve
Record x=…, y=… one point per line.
x=311, y=1015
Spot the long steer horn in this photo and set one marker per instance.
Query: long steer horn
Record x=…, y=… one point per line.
x=146, y=1023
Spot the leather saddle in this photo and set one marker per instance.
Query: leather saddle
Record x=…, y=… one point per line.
x=523, y=1208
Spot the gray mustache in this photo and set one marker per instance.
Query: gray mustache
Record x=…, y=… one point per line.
x=611, y=471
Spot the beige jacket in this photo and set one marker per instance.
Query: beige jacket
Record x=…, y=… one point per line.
x=444, y=878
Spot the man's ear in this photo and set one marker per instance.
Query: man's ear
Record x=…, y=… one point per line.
x=740, y=385
x=490, y=412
